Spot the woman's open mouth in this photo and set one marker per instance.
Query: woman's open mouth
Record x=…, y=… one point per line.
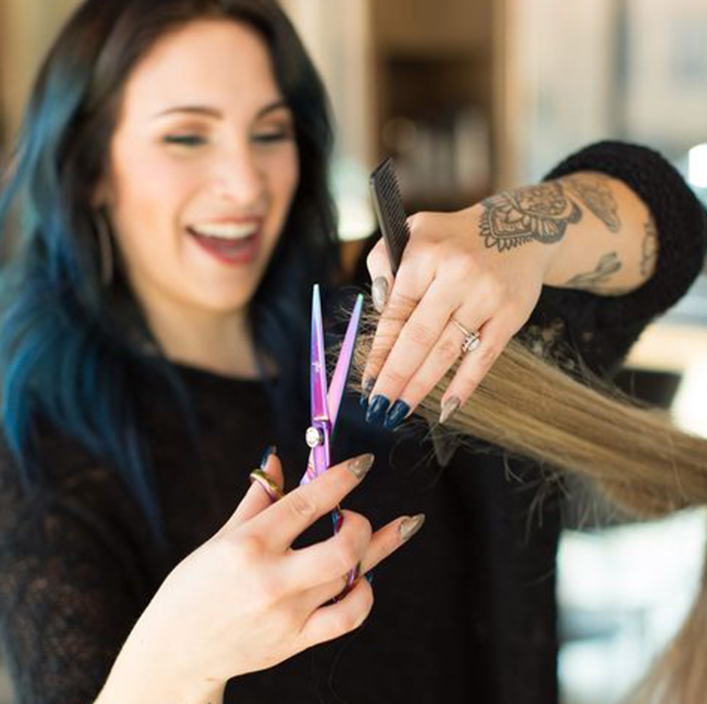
x=229, y=242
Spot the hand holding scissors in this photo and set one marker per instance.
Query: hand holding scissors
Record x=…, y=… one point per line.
x=325, y=404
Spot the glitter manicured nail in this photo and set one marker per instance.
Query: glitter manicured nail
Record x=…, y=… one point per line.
x=379, y=293
x=366, y=389
x=359, y=466
x=410, y=526
x=451, y=406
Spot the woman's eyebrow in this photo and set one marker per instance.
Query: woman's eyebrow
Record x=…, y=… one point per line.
x=191, y=109
x=217, y=114
x=277, y=105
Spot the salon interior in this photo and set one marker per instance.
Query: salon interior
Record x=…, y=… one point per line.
x=469, y=97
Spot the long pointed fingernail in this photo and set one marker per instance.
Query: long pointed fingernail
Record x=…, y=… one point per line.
x=366, y=389
x=360, y=465
x=379, y=293
x=450, y=406
x=269, y=450
x=396, y=415
x=410, y=526
x=377, y=409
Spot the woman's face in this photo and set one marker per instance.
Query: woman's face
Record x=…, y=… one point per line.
x=203, y=168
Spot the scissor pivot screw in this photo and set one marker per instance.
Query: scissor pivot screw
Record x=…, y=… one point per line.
x=314, y=437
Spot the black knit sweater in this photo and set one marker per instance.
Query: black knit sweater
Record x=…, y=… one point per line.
x=465, y=612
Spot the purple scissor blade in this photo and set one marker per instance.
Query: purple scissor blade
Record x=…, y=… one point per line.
x=320, y=406
x=338, y=383
x=343, y=364
x=320, y=409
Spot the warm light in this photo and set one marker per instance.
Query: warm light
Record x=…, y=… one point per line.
x=688, y=406
x=697, y=166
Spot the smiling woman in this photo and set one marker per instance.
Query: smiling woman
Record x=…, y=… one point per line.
x=171, y=178
x=203, y=169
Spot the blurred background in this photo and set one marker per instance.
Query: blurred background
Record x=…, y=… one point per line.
x=472, y=96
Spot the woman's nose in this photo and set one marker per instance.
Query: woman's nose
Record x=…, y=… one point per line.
x=239, y=180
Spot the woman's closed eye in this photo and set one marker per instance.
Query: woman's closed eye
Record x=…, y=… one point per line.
x=273, y=136
x=184, y=140
x=265, y=137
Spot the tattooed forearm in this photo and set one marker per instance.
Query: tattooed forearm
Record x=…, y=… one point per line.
x=544, y=213
x=649, y=250
x=582, y=212
x=598, y=280
x=598, y=197
x=534, y=213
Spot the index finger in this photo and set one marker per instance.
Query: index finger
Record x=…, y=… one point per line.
x=280, y=524
x=411, y=285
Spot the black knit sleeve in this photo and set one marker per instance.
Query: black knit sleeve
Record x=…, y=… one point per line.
x=70, y=587
x=603, y=328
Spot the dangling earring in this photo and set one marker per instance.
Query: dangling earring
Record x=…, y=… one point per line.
x=105, y=247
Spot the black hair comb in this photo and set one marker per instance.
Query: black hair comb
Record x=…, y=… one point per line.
x=390, y=211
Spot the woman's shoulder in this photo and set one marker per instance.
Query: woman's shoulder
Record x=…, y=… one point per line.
x=68, y=495
x=55, y=468
x=72, y=527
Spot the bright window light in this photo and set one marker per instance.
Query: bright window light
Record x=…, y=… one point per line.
x=697, y=166
x=688, y=406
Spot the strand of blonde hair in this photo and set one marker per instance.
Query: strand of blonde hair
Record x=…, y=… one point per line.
x=637, y=457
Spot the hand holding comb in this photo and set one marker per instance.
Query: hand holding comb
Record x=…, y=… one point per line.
x=392, y=219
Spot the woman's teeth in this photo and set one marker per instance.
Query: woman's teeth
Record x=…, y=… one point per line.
x=231, y=243
x=226, y=231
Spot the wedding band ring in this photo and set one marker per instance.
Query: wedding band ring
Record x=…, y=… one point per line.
x=471, y=339
x=272, y=488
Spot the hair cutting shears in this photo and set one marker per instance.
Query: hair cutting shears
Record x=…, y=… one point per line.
x=326, y=400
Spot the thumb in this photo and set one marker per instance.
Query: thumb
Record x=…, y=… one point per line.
x=257, y=499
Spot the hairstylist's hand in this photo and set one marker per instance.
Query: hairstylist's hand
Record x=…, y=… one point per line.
x=245, y=600
x=450, y=271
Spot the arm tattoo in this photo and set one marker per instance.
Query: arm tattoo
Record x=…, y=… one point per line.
x=598, y=197
x=596, y=280
x=649, y=253
x=541, y=213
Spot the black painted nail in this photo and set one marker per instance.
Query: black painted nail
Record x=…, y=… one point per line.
x=396, y=415
x=269, y=450
x=377, y=409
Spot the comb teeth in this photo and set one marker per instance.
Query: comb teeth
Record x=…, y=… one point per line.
x=389, y=209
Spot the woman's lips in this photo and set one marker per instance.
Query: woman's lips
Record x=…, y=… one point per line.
x=234, y=252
